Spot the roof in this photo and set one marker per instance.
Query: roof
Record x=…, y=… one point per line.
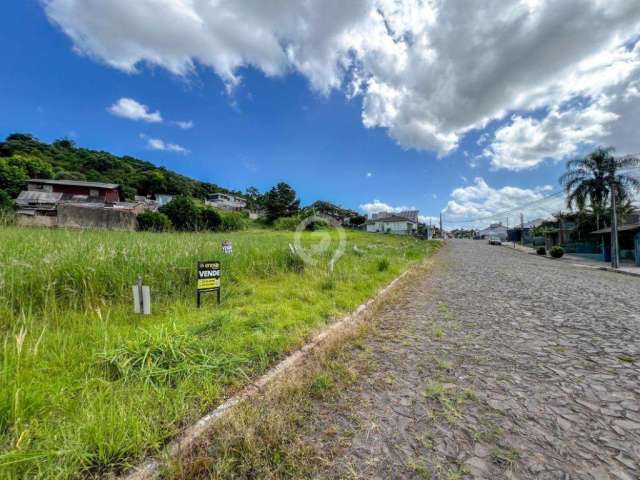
x=392, y=219
x=75, y=183
x=621, y=228
x=28, y=197
x=533, y=223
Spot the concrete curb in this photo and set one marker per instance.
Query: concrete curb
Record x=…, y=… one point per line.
x=152, y=467
x=579, y=265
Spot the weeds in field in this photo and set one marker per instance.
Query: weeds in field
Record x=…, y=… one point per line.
x=88, y=387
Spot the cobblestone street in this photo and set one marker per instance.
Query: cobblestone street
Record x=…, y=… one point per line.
x=495, y=364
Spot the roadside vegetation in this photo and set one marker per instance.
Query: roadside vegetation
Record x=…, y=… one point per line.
x=88, y=387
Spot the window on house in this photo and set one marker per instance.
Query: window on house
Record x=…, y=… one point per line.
x=93, y=192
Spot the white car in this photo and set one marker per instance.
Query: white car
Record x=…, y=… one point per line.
x=494, y=240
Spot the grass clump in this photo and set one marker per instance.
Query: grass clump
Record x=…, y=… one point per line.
x=383, y=264
x=504, y=457
x=163, y=358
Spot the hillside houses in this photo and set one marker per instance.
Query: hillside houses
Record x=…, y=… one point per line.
x=74, y=203
x=224, y=201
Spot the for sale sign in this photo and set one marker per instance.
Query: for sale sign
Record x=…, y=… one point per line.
x=208, y=276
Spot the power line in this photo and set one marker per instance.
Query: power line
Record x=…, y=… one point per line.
x=506, y=212
x=555, y=194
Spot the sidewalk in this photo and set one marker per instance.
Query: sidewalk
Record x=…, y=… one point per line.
x=578, y=261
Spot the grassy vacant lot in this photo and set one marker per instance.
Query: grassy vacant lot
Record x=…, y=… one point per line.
x=87, y=387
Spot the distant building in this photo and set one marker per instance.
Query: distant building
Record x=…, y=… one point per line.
x=224, y=201
x=76, y=204
x=80, y=190
x=392, y=223
x=494, y=230
x=524, y=233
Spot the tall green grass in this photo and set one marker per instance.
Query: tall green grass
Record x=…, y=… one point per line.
x=88, y=387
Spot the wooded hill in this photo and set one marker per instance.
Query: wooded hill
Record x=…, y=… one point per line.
x=22, y=156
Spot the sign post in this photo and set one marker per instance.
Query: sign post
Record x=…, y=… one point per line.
x=141, y=298
x=208, y=279
x=227, y=247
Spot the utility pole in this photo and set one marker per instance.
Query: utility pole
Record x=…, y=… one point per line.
x=521, y=229
x=615, y=261
x=441, y=231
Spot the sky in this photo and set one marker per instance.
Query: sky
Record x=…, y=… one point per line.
x=463, y=108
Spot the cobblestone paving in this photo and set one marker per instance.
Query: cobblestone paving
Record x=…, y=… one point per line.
x=496, y=364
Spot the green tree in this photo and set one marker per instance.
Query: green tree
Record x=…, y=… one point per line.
x=153, y=222
x=6, y=203
x=358, y=220
x=589, y=180
x=183, y=213
x=255, y=199
x=210, y=218
x=281, y=201
x=12, y=177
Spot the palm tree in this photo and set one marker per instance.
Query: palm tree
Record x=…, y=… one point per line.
x=590, y=178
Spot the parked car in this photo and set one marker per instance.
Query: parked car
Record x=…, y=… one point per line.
x=495, y=240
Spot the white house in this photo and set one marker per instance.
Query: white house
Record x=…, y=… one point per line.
x=392, y=224
x=225, y=201
x=494, y=230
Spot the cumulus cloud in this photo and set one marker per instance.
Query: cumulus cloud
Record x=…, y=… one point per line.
x=525, y=142
x=479, y=200
x=134, y=110
x=428, y=71
x=161, y=145
x=604, y=117
x=377, y=206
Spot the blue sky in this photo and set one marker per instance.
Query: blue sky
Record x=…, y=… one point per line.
x=258, y=128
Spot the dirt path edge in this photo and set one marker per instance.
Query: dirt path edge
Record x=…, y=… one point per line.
x=151, y=468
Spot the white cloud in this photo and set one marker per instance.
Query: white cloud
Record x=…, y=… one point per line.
x=428, y=71
x=479, y=200
x=602, y=118
x=526, y=142
x=159, y=144
x=133, y=110
x=377, y=206
x=184, y=125
x=369, y=174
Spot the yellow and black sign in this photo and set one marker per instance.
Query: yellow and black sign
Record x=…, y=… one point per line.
x=208, y=278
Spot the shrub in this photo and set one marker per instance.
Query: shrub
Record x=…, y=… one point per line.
x=153, y=222
x=317, y=225
x=234, y=221
x=210, y=218
x=541, y=251
x=183, y=213
x=286, y=223
x=556, y=251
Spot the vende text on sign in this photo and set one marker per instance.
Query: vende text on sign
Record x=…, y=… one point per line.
x=208, y=278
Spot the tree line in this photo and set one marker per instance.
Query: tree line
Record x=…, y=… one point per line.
x=22, y=156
